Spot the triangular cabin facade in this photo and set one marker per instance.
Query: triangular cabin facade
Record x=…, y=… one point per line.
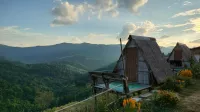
x=140, y=66
x=180, y=56
x=143, y=61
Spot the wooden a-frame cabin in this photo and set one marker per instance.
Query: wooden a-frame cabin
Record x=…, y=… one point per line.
x=139, y=67
x=180, y=56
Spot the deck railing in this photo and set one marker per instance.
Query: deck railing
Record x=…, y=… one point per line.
x=101, y=102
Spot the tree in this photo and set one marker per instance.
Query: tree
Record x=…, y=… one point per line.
x=44, y=99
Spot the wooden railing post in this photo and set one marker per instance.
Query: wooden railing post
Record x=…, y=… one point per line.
x=94, y=79
x=125, y=85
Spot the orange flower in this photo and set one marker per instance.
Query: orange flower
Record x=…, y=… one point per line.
x=125, y=102
x=186, y=73
x=131, y=102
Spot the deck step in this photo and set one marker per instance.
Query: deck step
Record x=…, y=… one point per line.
x=146, y=95
x=154, y=91
x=137, y=99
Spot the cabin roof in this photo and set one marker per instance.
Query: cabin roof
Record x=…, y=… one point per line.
x=195, y=48
x=135, y=37
x=186, y=51
x=154, y=58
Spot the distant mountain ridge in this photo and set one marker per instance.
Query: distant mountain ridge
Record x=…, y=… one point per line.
x=166, y=50
x=92, y=56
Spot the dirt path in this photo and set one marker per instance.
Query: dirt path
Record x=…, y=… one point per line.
x=192, y=102
x=191, y=98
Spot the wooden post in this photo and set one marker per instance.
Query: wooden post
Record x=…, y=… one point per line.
x=106, y=82
x=125, y=86
x=94, y=91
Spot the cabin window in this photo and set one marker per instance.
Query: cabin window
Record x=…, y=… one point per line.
x=143, y=72
x=143, y=78
x=176, y=63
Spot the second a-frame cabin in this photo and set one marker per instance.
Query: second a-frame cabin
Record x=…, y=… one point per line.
x=144, y=62
x=180, y=56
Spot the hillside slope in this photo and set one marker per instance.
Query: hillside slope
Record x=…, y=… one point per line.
x=35, y=87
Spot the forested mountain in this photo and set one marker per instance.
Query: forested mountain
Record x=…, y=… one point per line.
x=35, y=87
x=91, y=56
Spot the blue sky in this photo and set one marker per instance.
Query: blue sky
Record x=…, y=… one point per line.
x=45, y=22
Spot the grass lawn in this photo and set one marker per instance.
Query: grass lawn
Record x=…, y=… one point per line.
x=190, y=98
x=190, y=102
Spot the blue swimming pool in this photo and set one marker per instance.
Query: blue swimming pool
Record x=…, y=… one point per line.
x=118, y=86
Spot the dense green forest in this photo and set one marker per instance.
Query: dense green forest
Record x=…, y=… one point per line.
x=36, y=87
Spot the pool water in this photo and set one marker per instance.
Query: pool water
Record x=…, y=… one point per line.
x=118, y=86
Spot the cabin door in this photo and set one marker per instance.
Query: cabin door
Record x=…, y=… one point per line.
x=131, y=57
x=178, y=54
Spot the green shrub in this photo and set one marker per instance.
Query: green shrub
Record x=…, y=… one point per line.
x=187, y=80
x=149, y=106
x=196, y=70
x=165, y=99
x=172, y=85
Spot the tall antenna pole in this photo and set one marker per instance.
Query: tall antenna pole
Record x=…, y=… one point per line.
x=122, y=55
x=125, y=82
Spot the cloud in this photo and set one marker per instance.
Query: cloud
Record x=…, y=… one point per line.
x=75, y=40
x=185, y=3
x=169, y=7
x=164, y=37
x=192, y=24
x=27, y=28
x=143, y=29
x=159, y=30
x=182, y=38
x=175, y=25
x=114, y=13
x=95, y=35
x=128, y=29
x=105, y=6
x=195, y=22
x=66, y=13
x=195, y=41
x=187, y=13
x=99, y=38
x=132, y=5
x=16, y=36
x=173, y=5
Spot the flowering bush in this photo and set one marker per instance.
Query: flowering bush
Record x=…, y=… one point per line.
x=173, y=85
x=166, y=99
x=186, y=76
x=184, y=81
x=186, y=73
x=180, y=83
x=130, y=105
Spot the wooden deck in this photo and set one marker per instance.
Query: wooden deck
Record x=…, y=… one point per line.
x=118, y=87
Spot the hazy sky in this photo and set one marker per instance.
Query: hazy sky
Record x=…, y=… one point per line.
x=46, y=22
